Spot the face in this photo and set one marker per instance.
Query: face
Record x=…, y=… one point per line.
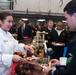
x=59, y=25
x=30, y=24
x=50, y=24
x=71, y=20
x=6, y=24
x=21, y=22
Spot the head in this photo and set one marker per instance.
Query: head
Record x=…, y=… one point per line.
x=50, y=23
x=30, y=23
x=45, y=24
x=37, y=24
x=6, y=20
x=21, y=22
x=59, y=25
x=70, y=14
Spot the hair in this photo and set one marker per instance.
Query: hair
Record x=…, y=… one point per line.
x=59, y=21
x=49, y=21
x=3, y=15
x=22, y=20
x=70, y=7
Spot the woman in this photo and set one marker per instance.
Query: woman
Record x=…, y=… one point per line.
x=8, y=45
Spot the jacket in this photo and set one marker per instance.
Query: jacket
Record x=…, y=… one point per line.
x=8, y=45
x=70, y=68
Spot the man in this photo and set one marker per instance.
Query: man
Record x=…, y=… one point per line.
x=24, y=30
x=58, y=40
x=13, y=30
x=49, y=30
x=70, y=67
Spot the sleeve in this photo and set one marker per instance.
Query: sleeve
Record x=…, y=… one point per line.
x=51, y=72
x=6, y=59
x=70, y=68
x=57, y=72
x=19, y=47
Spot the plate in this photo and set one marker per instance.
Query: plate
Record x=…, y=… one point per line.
x=59, y=44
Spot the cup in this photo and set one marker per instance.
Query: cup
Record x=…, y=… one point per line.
x=63, y=61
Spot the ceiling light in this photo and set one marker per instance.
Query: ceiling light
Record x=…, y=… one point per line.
x=25, y=19
x=64, y=21
x=41, y=20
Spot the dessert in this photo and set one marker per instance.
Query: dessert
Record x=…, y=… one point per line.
x=28, y=68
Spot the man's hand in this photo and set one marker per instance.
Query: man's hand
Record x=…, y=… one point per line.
x=53, y=43
x=55, y=62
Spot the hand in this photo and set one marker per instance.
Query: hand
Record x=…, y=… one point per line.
x=29, y=48
x=53, y=43
x=17, y=58
x=15, y=35
x=46, y=41
x=55, y=62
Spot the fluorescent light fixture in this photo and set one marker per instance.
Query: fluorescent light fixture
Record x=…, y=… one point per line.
x=25, y=19
x=64, y=21
x=41, y=20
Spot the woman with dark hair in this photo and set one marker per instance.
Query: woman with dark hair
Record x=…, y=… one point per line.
x=8, y=45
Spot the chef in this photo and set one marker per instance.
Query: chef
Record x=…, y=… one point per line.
x=8, y=45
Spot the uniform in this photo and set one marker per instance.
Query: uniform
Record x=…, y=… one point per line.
x=8, y=45
x=70, y=68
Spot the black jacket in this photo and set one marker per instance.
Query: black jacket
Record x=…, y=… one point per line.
x=70, y=68
x=54, y=37
x=26, y=33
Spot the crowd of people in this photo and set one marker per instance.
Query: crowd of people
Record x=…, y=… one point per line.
x=57, y=38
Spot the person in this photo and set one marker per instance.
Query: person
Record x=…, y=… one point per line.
x=49, y=30
x=70, y=67
x=24, y=31
x=13, y=30
x=44, y=27
x=8, y=45
x=58, y=40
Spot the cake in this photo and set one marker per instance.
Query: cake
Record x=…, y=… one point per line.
x=28, y=69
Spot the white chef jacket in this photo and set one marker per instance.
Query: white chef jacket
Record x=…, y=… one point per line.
x=8, y=45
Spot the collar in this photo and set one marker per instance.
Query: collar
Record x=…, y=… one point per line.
x=2, y=31
x=49, y=28
x=58, y=30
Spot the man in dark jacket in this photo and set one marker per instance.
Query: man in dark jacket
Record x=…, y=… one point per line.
x=58, y=40
x=70, y=67
x=24, y=30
